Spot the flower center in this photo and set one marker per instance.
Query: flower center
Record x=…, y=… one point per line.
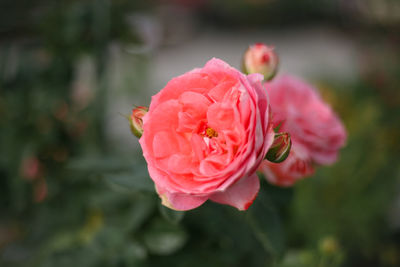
x=210, y=132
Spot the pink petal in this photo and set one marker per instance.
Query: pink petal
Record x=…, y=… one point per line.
x=164, y=144
x=180, y=163
x=180, y=201
x=218, y=92
x=220, y=116
x=327, y=157
x=191, y=81
x=241, y=194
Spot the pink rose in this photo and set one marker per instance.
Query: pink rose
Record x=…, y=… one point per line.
x=317, y=133
x=205, y=134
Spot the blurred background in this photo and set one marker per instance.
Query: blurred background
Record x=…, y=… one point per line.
x=74, y=189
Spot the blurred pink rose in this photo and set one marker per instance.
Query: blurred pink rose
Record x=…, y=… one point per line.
x=317, y=133
x=205, y=134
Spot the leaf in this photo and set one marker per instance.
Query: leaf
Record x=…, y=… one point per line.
x=119, y=173
x=142, y=208
x=164, y=238
x=266, y=224
x=98, y=165
x=173, y=216
x=139, y=181
x=133, y=253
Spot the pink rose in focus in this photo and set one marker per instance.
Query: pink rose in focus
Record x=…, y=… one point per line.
x=317, y=133
x=205, y=134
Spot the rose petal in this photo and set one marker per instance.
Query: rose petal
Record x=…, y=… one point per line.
x=218, y=92
x=195, y=82
x=164, y=144
x=241, y=194
x=220, y=116
x=179, y=163
x=179, y=201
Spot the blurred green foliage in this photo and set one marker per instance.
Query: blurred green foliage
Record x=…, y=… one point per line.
x=67, y=197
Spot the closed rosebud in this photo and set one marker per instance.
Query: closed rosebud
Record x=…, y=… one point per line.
x=260, y=58
x=136, y=121
x=280, y=148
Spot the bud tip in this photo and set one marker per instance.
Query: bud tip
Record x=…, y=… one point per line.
x=280, y=148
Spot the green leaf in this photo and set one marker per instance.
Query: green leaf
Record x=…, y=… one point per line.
x=266, y=224
x=133, y=253
x=142, y=208
x=98, y=165
x=139, y=181
x=163, y=237
x=171, y=215
x=120, y=173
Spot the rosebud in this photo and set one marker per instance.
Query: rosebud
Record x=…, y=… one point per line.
x=260, y=58
x=136, y=122
x=280, y=148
